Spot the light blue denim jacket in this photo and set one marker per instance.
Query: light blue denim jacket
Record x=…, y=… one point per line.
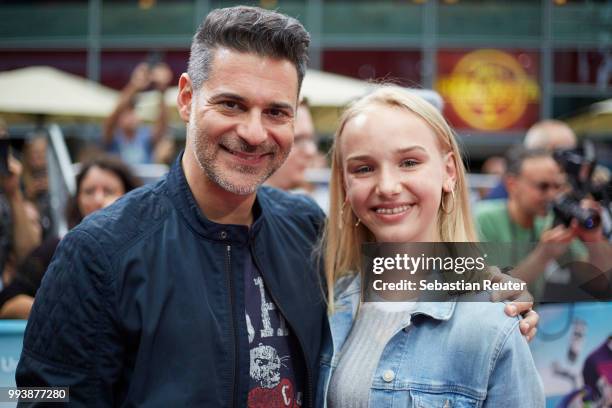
x=449, y=354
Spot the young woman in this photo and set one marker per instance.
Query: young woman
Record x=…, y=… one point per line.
x=397, y=176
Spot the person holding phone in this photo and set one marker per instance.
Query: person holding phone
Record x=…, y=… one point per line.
x=18, y=235
x=123, y=132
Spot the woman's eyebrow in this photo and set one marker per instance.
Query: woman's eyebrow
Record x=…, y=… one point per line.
x=410, y=149
x=403, y=150
x=361, y=157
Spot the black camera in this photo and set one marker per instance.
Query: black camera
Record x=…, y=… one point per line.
x=566, y=209
x=579, y=165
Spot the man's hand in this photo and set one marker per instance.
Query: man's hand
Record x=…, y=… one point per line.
x=555, y=241
x=528, y=325
x=588, y=235
x=161, y=76
x=10, y=183
x=522, y=303
x=141, y=77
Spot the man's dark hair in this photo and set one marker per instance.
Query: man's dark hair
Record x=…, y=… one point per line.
x=517, y=155
x=248, y=29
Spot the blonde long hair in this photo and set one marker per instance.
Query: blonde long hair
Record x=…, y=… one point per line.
x=342, y=238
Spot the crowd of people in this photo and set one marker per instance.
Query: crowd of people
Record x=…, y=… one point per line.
x=202, y=289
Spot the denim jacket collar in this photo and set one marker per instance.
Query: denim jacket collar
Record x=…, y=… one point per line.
x=349, y=294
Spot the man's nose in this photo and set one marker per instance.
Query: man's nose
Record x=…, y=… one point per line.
x=307, y=147
x=252, y=129
x=310, y=149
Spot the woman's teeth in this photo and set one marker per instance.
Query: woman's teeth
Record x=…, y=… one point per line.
x=395, y=210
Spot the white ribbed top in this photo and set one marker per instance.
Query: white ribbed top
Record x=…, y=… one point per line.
x=374, y=326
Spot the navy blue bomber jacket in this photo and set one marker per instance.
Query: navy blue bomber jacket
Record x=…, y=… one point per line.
x=143, y=303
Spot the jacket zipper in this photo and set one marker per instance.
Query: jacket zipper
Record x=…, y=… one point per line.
x=280, y=309
x=233, y=334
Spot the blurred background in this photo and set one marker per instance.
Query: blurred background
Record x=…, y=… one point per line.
x=68, y=69
x=499, y=65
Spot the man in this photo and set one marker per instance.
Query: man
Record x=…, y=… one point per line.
x=199, y=290
x=533, y=180
x=548, y=135
x=123, y=133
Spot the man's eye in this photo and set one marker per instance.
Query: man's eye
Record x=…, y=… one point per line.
x=230, y=105
x=277, y=113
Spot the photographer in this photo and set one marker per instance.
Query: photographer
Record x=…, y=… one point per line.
x=549, y=135
x=535, y=181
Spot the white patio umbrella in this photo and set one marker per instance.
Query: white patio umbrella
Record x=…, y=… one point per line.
x=596, y=120
x=327, y=89
x=49, y=91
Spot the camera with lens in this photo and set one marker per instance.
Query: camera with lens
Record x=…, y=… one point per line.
x=579, y=165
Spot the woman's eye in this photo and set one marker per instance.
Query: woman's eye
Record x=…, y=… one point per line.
x=362, y=169
x=409, y=163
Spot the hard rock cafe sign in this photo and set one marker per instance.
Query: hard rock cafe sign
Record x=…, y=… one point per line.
x=489, y=90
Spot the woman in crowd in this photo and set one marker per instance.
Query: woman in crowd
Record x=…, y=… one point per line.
x=99, y=184
x=397, y=176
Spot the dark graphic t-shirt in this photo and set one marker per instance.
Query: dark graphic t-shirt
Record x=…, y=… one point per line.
x=276, y=368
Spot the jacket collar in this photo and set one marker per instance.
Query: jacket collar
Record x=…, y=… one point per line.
x=436, y=310
x=183, y=199
x=349, y=294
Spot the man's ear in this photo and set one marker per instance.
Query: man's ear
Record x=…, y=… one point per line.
x=510, y=181
x=185, y=97
x=450, y=170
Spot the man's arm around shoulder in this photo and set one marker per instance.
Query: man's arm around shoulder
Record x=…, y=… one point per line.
x=513, y=380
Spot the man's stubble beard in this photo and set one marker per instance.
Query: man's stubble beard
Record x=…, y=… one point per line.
x=205, y=156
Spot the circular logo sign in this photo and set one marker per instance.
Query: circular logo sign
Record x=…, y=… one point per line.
x=489, y=89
